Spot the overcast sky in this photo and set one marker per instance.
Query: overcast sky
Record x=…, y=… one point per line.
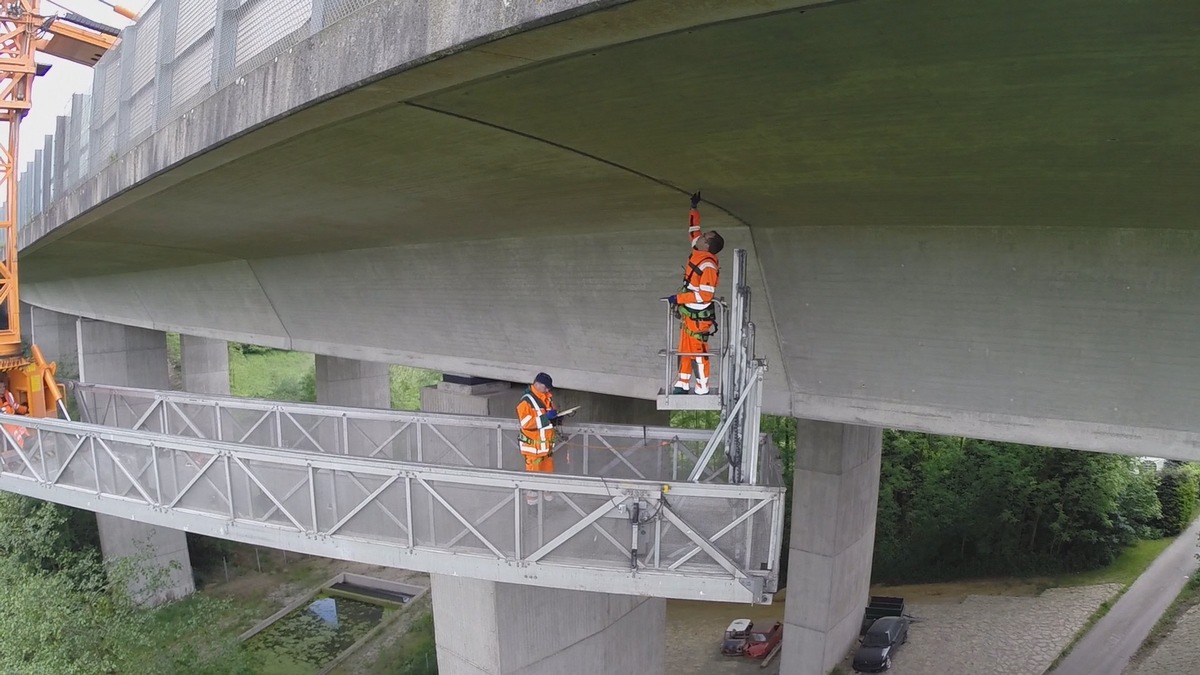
x=52, y=92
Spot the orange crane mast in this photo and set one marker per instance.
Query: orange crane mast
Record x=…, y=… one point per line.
x=24, y=31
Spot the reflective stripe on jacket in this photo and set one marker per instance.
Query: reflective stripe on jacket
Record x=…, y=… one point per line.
x=537, y=432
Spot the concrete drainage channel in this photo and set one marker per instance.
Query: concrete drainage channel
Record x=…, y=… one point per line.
x=321, y=629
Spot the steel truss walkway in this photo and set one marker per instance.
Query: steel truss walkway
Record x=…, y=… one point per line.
x=429, y=492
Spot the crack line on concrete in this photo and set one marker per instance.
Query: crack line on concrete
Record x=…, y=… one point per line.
x=270, y=303
x=621, y=167
x=575, y=151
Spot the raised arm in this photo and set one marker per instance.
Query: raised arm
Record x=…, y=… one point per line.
x=694, y=219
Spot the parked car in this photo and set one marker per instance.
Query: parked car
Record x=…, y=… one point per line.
x=736, y=636
x=879, y=644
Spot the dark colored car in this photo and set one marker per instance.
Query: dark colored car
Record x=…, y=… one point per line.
x=879, y=644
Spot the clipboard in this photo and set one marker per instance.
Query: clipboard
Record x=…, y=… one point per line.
x=569, y=411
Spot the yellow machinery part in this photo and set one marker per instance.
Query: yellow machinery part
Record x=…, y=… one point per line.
x=32, y=382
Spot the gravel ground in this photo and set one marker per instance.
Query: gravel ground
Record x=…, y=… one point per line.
x=996, y=634
x=957, y=634
x=1178, y=653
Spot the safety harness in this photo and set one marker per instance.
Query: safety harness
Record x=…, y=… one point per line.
x=535, y=442
x=706, y=315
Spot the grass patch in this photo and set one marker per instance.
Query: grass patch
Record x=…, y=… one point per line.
x=407, y=383
x=279, y=375
x=275, y=374
x=414, y=653
x=1124, y=570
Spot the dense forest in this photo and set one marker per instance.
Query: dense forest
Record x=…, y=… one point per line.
x=956, y=507
x=952, y=507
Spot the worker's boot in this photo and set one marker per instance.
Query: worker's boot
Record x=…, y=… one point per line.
x=678, y=391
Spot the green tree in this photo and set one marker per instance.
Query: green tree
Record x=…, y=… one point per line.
x=1177, y=488
x=1140, y=509
x=64, y=612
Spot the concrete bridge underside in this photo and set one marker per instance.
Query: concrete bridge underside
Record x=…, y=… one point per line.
x=974, y=218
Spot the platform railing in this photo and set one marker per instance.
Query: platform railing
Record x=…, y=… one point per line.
x=669, y=539
x=611, y=451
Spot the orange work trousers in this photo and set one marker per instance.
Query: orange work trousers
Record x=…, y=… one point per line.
x=538, y=463
x=693, y=365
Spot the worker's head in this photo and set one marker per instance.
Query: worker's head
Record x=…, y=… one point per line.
x=542, y=383
x=711, y=241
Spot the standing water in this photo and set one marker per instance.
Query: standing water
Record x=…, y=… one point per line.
x=308, y=638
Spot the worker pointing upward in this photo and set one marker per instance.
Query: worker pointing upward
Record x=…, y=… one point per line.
x=694, y=302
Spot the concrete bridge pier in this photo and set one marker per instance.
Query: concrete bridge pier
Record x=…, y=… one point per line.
x=485, y=627
x=55, y=334
x=353, y=383
x=835, y=493
x=110, y=353
x=205, y=364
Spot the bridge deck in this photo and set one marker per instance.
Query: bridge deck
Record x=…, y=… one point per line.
x=367, y=500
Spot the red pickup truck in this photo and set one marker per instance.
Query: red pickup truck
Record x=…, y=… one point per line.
x=743, y=639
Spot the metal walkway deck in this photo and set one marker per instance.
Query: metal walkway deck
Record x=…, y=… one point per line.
x=435, y=493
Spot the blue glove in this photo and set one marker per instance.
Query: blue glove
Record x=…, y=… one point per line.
x=695, y=199
x=672, y=300
x=551, y=414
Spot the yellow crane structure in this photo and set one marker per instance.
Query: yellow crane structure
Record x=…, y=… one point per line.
x=24, y=31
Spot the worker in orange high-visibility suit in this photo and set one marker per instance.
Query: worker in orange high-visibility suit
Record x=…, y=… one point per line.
x=694, y=303
x=9, y=406
x=538, y=417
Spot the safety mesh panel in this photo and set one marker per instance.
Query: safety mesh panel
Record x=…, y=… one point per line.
x=17, y=459
x=746, y=544
x=336, y=10
x=435, y=525
x=252, y=427
x=144, y=57
x=201, y=489
x=113, y=409
x=382, y=438
x=124, y=469
x=457, y=446
x=605, y=542
x=356, y=500
x=311, y=433
x=255, y=483
x=190, y=72
x=196, y=19
x=190, y=420
x=265, y=28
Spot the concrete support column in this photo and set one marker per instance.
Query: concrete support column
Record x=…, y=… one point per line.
x=834, y=498
x=205, y=365
x=353, y=383
x=110, y=353
x=485, y=627
x=55, y=335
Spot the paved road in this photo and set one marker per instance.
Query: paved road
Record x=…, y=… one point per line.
x=1115, y=638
